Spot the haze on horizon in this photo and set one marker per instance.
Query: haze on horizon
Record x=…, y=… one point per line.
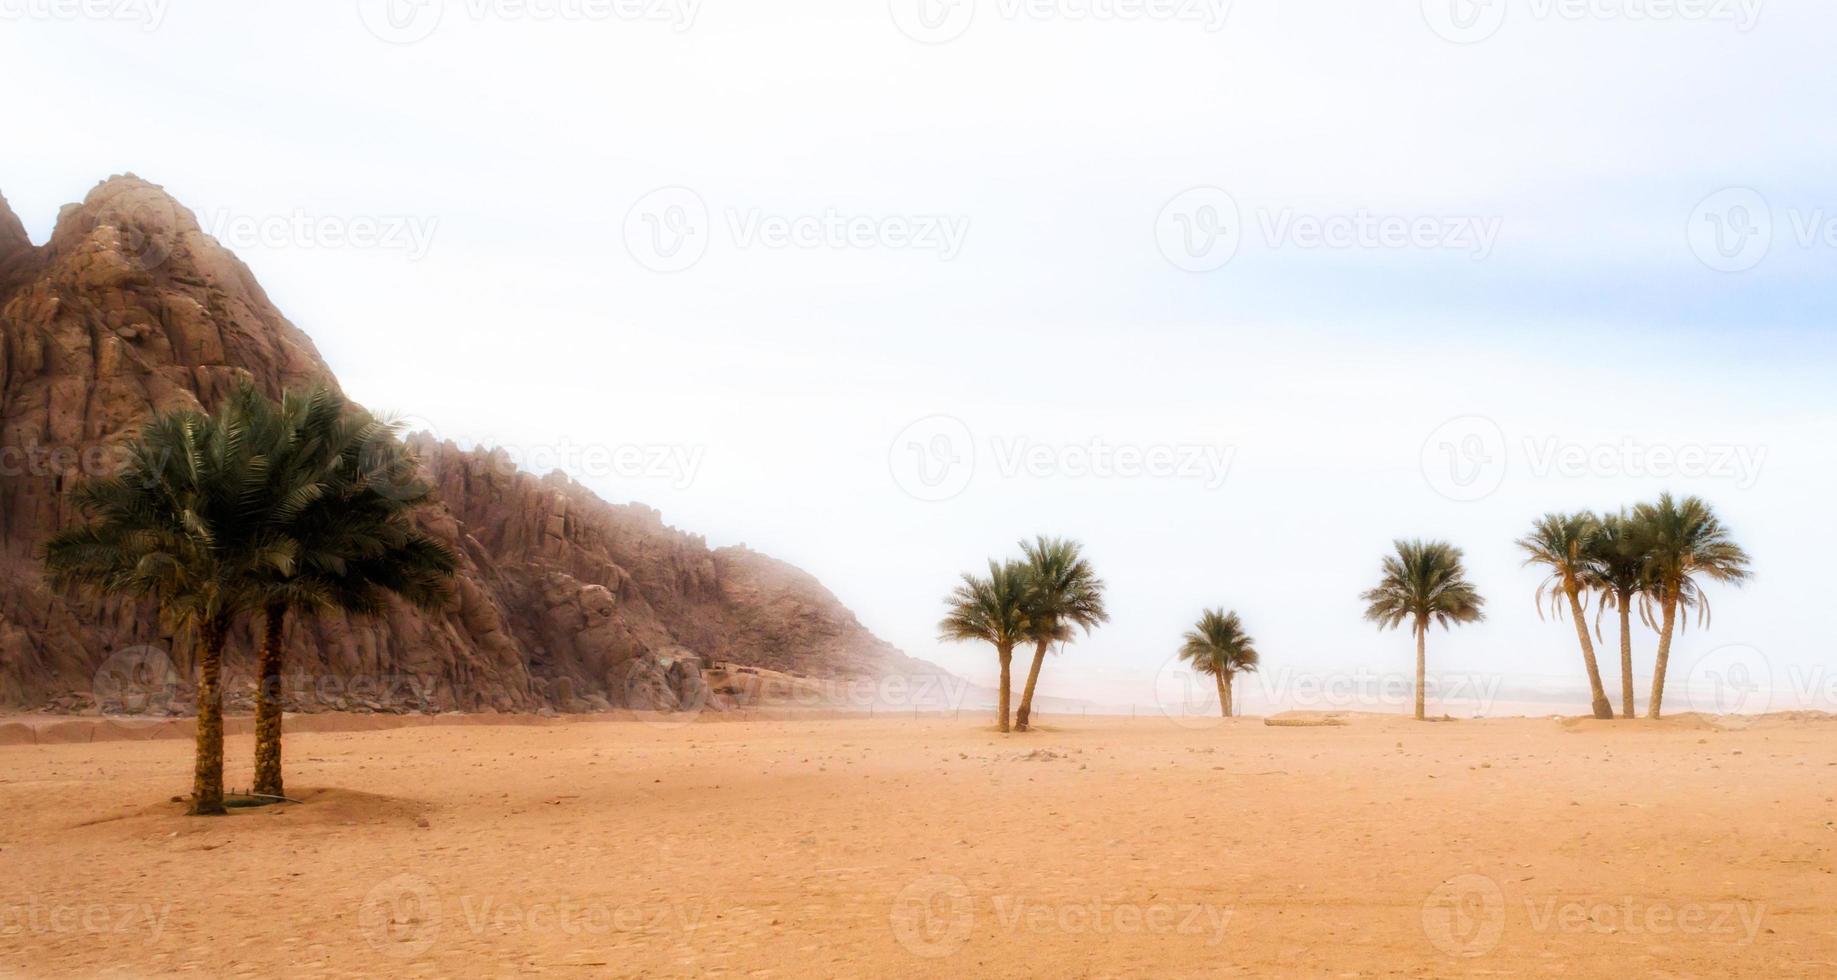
x=892, y=305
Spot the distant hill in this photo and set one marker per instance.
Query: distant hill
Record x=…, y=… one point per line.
x=131, y=309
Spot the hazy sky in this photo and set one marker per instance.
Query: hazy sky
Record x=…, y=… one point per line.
x=1233, y=293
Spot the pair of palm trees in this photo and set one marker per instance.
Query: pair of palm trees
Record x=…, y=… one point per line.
x=1655, y=555
x=1042, y=598
x=260, y=508
x=1218, y=647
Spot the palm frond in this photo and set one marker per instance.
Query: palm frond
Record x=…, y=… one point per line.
x=1423, y=583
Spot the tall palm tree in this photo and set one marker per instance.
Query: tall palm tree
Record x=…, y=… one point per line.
x=1062, y=593
x=1681, y=541
x=354, y=544
x=181, y=523
x=992, y=610
x=1423, y=583
x=1218, y=647
x=1563, y=544
x=1618, y=573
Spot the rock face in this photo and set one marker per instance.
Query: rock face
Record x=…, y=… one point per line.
x=563, y=600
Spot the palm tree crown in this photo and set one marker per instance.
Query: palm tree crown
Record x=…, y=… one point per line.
x=1062, y=590
x=341, y=490
x=1218, y=646
x=991, y=609
x=1616, y=568
x=1680, y=541
x=1565, y=545
x=181, y=523
x=1423, y=583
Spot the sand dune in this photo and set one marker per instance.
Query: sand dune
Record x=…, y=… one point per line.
x=893, y=847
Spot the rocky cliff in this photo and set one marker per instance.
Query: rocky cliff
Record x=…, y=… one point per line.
x=563, y=600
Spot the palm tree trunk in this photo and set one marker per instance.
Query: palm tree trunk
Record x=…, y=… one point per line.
x=268, y=707
x=1626, y=657
x=1224, y=692
x=1422, y=636
x=1006, y=653
x=1603, y=708
x=1664, y=659
x=207, y=775
x=1033, y=677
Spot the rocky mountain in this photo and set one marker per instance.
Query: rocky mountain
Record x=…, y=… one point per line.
x=563, y=600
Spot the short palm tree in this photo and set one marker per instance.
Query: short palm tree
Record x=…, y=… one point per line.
x=181, y=523
x=1617, y=571
x=1218, y=647
x=1680, y=542
x=1063, y=594
x=1423, y=583
x=354, y=544
x=1564, y=545
x=992, y=610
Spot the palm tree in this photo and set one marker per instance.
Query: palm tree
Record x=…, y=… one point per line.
x=1681, y=540
x=354, y=544
x=1218, y=647
x=1563, y=543
x=1423, y=583
x=180, y=524
x=1062, y=593
x=1618, y=572
x=992, y=610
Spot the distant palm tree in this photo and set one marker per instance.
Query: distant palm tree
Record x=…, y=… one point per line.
x=1681, y=540
x=1218, y=647
x=1062, y=593
x=992, y=610
x=341, y=489
x=1564, y=543
x=181, y=523
x=1618, y=573
x=1423, y=583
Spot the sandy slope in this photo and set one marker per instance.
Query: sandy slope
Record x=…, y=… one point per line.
x=893, y=847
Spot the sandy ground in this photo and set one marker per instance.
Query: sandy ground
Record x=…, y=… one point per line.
x=883, y=847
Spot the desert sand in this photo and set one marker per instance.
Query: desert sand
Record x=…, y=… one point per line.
x=936, y=847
